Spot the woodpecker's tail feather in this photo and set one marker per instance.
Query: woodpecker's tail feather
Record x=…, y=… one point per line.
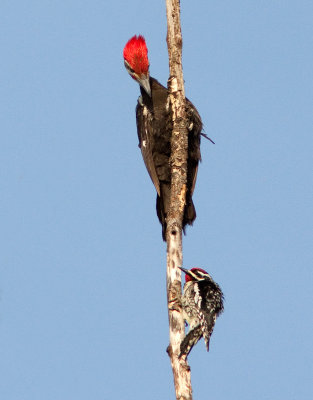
x=192, y=338
x=161, y=215
x=189, y=215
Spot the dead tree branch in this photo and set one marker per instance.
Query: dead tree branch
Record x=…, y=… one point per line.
x=179, y=150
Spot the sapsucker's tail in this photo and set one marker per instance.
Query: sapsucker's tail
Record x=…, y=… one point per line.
x=192, y=338
x=207, y=326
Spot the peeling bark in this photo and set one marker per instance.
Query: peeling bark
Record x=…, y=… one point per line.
x=179, y=152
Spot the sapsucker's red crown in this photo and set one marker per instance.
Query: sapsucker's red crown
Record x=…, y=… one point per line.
x=136, y=55
x=195, y=274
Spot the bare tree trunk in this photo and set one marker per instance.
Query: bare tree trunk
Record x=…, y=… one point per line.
x=179, y=152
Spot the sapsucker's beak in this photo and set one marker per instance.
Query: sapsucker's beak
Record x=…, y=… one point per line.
x=183, y=269
x=189, y=273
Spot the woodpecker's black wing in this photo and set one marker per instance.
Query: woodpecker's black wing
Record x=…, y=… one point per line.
x=154, y=129
x=144, y=119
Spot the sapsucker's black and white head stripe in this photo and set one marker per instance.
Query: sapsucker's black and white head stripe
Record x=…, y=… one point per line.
x=202, y=303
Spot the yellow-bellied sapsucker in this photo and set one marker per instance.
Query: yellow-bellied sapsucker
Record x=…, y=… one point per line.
x=202, y=303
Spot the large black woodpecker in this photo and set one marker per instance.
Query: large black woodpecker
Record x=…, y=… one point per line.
x=154, y=128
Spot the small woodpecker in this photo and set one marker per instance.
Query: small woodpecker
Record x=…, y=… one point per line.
x=154, y=128
x=202, y=303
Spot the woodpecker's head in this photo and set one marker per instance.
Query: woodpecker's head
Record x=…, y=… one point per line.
x=196, y=274
x=136, y=61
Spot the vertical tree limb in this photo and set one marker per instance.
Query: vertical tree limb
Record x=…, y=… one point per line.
x=179, y=153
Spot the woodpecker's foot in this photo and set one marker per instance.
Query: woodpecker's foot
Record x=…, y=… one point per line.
x=174, y=305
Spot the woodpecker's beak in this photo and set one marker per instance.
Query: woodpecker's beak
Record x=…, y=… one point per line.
x=144, y=82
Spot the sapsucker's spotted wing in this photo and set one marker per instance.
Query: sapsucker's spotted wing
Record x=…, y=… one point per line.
x=210, y=306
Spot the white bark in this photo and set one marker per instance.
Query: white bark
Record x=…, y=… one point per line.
x=179, y=151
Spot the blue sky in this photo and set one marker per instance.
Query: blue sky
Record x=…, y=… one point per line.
x=82, y=264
